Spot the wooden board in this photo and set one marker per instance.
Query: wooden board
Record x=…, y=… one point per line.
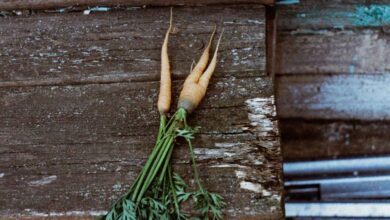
x=332, y=66
x=310, y=139
x=50, y=4
x=325, y=14
x=332, y=37
x=363, y=97
x=333, y=52
x=78, y=96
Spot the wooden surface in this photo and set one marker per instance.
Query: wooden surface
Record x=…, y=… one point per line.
x=309, y=139
x=332, y=79
x=78, y=97
x=342, y=97
x=53, y=4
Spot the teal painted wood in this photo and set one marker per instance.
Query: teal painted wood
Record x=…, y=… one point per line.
x=332, y=66
x=355, y=14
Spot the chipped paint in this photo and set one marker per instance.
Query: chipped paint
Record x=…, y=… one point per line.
x=44, y=181
x=96, y=9
x=254, y=187
x=229, y=166
x=373, y=15
x=256, y=21
x=240, y=174
x=262, y=115
x=29, y=213
x=117, y=187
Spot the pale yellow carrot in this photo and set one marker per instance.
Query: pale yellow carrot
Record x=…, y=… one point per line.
x=164, y=97
x=202, y=63
x=205, y=78
x=194, y=90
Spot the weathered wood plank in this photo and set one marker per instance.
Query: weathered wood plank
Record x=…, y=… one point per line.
x=363, y=97
x=49, y=49
x=34, y=112
x=49, y=4
x=73, y=139
x=330, y=52
x=334, y=37
x=324, y=14
x=306, y=140
x=332, y=64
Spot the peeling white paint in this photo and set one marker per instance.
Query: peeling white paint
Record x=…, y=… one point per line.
x=261, y=115
x=226, y=145
x=240, y=174
x=117, y=187
x=237, y=151
x=44, y=181
x=29, y=213
x=207, y=153
x=256, y=21
x=143, y=60
x=254, y=187
x=266, y=193
x=229, y=166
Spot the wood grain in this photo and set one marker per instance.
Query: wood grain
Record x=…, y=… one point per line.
x=343, y=97
x=333, y=52
x=342, y=15
x=120, y=46
x=49, y=4
x=309, y=140
x=332, y=66
x=78, y=96
x=333, y=37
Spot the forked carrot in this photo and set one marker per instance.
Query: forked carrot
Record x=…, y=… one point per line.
x=205, y=78
x=195, y=86
x=202, y=63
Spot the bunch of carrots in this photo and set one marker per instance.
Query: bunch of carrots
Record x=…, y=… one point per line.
x=157, y=192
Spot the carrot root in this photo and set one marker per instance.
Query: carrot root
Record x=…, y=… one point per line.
x=195, y=86
x=164, y=97
x=202, y=63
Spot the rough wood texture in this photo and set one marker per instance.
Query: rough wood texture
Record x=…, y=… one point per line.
x=49, y=4
x=333, y=37
x=78, y=96
x=334, y=14
x=363, y=97
x=329, y=139
x=332, y=78
x=333, y=52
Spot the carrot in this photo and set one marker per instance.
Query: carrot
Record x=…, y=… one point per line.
x=195, y=86
x=202, y=63
x=164, y=97
x=205, y=78
x=157, y=192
